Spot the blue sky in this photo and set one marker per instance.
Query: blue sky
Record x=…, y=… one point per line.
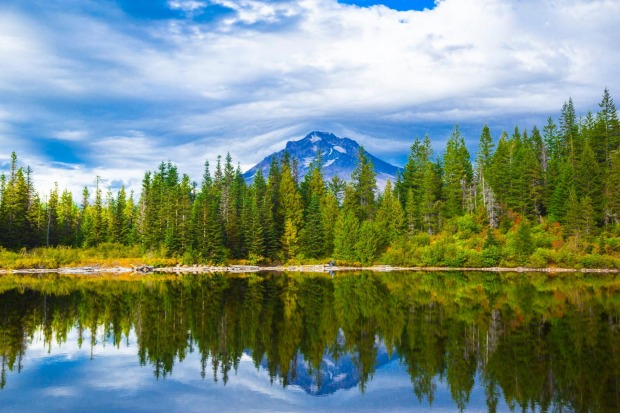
x=111, y=88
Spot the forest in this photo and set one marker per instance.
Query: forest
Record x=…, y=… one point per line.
x=540, y=198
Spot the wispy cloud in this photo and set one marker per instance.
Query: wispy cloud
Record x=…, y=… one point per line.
x=125, y=92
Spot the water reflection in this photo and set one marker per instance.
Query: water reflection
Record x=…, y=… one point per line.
x=531, y=341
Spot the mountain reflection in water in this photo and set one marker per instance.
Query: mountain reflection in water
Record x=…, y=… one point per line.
x=531, y=341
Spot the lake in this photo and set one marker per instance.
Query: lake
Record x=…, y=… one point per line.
x=367, y=341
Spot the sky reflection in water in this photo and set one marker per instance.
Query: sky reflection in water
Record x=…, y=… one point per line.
x=68, y=379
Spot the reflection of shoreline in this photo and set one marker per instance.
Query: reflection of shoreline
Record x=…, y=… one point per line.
x=198, y=269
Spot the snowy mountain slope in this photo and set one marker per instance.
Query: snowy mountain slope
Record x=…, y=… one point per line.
x=339, y=157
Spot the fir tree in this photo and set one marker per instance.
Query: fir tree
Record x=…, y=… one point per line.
x=292, y=211
x=612, y=191
x=483, y=165
x=313, y=235
x=346, y=235
x=329, y=215
x=457, y=175
x=390, y=221
x=365, y=186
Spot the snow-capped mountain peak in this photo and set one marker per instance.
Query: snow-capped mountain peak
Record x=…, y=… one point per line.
x=338, y=155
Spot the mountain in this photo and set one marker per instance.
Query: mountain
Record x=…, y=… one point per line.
x=333, y=374
x=339, y=157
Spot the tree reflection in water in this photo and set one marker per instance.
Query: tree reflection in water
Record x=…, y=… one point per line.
x=541, y=342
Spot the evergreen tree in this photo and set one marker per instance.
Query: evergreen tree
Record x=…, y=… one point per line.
x=572, y=219
x=607, y=129
x=457, y=176
x=589, y=180
x=569, y=139
x=273, y=210
x=390, y=221
x=68, y=220
x=365, y=186
x=52, y=231
x=255, y=232
x=207, y=225
x=329, y=217
x=292, y=212
x=557, y=205
x=430, y=204
x=484, y=167
x=367, y=244
x=523, y=242
x=313, y=235
x=612, y=191
x=346, y=235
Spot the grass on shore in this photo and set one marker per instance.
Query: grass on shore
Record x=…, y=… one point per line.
x=104, y=255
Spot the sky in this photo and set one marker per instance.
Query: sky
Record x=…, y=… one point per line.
x=112, y=88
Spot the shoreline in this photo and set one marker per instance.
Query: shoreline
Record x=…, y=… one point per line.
x=203, y=269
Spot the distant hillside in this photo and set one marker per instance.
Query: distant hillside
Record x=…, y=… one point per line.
x=339, y=158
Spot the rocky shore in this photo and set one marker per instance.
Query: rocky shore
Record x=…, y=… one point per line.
x=201, y=269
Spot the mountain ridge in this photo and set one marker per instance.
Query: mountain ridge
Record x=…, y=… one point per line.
x=338, y=155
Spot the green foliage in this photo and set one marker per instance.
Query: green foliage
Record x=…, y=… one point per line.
x=346, y=235
x=367, y=244
x=457, y=176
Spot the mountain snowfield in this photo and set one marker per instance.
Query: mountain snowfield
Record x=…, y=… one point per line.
x=339, y=157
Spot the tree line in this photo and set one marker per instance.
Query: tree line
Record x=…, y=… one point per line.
x=565, y=177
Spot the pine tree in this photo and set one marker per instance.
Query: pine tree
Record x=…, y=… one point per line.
x=84, y=222
x=131, y=217
x=430, y=205
x=612, y=191
x=94, y=222
x=336, y=186
x=117, y=220
x=390, y=221
x=52, y=232
x=313, y=235
x=68, y=218
x=570, y=142
x=292, y=211
x=588, y=216
x=254, y=236
x=412, y=174
x=554, y=159
x=329, y=217
x=557, y=205
x=365, y=186
x=589, y=180
x=346, y=235
x=607, y=129
x=523, y=242
x=412, y=212
x=484, y=166
x=367, y=244
x=537, y=170
x=273, y=210
x=457, y=175
x=573, y=216
x=207, y=225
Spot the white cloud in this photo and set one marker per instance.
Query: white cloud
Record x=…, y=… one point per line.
x=187, y=6
x=71, y=135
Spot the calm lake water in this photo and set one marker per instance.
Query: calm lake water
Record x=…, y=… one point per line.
x=436, y=342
